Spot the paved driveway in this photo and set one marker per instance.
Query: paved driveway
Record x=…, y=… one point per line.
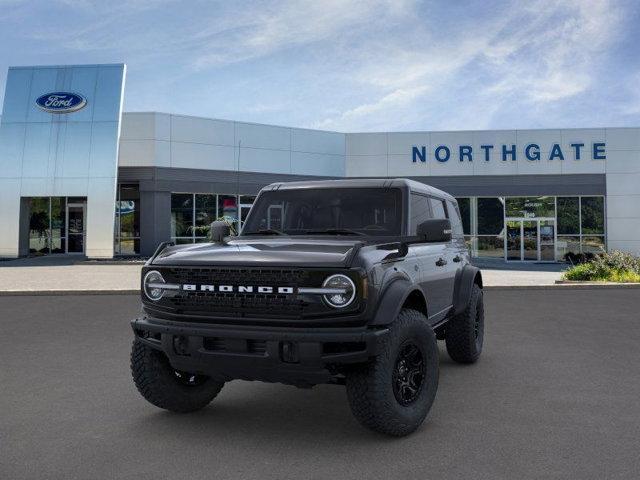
x=554, y=396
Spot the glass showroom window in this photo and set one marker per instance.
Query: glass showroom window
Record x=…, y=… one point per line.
x=530, y=207
x=182, y=213
x=568, y=226
x=466, y=206
x=205, y=213
x=40, y=225
x=228, y=211
x=193, y=213
x=127, y=228
x=47, y=225
x=592, y=220
x=490, y=227
x=581, y=223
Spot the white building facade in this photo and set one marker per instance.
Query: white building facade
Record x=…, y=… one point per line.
x=525, y=195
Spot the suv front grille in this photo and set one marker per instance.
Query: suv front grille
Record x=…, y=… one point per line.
x=239, y=276
x=235, y=304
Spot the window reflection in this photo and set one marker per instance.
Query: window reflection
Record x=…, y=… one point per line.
x=592, y=210
x=580, y=222
x=193, y=213
x=490, y=246
x=464, y=205
x=490, y=216
x=127, y=226
x=568, y=215
x=48, y=229
x=530, y=207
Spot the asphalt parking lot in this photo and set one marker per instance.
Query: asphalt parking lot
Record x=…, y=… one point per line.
x=555, y=395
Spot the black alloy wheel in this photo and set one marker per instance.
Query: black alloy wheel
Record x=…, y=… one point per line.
x=408, y=373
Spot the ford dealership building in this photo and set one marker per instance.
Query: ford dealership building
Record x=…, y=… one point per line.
x=77, y=175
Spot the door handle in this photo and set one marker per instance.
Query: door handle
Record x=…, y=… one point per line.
x=441, y=262
x=457, y=258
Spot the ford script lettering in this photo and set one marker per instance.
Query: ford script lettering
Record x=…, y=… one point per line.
x=61, y=102
x=190, y=287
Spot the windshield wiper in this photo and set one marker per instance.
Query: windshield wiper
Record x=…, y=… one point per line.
x=334, y=231
x=265, y=231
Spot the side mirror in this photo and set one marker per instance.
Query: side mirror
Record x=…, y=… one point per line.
x=435, y=230
x=219, y=230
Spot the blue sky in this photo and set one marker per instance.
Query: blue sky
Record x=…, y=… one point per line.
x=350, y=65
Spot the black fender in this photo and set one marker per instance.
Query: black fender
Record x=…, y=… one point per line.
x=465, y=279
x=392, y=300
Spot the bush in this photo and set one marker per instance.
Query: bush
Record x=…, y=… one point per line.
x=578, y=258
x=615, y=266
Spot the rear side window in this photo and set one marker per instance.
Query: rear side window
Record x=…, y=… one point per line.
x=420, y=211
x=437, y=206
x=454, y=217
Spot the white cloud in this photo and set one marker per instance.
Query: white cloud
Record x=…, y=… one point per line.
x=350, y=64
x=401, y=97
x=534, y=55
x=550, y=57
x=286, y=24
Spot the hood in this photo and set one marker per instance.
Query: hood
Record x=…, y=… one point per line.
x=288, y=251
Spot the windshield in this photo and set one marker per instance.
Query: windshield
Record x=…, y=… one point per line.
x=327, y=211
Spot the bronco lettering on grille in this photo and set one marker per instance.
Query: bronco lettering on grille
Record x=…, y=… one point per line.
x=191, y=287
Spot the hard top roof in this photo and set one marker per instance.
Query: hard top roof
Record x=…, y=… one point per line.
x=361, y=183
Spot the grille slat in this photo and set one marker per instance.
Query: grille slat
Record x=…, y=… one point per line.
x=242, y=304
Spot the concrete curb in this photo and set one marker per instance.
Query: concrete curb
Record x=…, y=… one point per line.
x=581, y=282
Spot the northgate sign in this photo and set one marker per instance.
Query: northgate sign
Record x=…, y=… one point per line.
x=531, y=152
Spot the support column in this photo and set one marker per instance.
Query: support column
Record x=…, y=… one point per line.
x=25, y=218
x=155, y=220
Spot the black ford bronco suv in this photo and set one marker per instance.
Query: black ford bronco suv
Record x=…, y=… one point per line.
x=348, y=282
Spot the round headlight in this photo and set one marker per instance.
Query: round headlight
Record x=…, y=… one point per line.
x=151, y=283
x=344, y=291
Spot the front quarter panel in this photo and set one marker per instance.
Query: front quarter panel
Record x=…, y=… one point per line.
x=393, y=282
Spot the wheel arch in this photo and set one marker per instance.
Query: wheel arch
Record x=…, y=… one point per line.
x=398, y=295
x=465, y=279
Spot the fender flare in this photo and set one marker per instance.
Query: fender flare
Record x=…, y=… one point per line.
x=392, y=299
x=464, y=283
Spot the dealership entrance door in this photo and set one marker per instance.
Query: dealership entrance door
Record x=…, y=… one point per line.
x=76, y=220
x=55, y=225
x=530, y=239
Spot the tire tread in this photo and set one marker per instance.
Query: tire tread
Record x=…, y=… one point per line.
x=152, y=376
x=459, y=331
x=368, y=387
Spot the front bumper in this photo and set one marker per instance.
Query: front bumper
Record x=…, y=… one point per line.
x=272, y=354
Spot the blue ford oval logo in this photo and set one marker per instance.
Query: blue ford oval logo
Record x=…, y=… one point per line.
x=61, y=102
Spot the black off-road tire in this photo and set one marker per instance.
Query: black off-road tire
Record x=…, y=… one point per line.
x=371, y=389
x=464, y=334
x=160, y=384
